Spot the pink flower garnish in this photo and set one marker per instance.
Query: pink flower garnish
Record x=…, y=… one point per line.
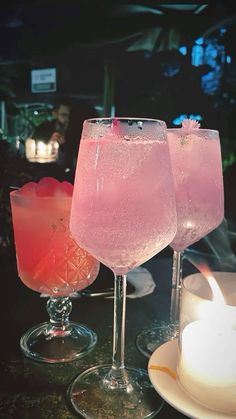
x=189, y=125
x=116, y=127
x=115, y=122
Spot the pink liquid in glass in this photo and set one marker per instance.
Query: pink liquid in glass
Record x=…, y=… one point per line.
x=48, y=259
x=198, y=181
x=123, y=209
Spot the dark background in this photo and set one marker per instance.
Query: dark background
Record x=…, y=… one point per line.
x=160, y=60
x=126, y=53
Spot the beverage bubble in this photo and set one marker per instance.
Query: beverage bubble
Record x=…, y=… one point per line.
x=47, y=186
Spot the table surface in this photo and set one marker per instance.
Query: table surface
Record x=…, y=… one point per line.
x=31, y=390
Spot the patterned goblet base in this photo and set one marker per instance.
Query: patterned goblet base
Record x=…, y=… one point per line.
x=39, y=345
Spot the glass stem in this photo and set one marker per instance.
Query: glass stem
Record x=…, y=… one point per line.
x=117, y=377
x=176, y=286
x=119, y=323
x=59, y=309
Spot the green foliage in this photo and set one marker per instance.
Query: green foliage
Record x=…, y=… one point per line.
x=228, y=149
x=28, y=117
x=7, y=75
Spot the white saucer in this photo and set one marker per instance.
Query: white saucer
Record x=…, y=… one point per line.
x=170, y=389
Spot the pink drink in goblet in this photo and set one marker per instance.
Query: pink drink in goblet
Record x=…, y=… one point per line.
x=197, y=171
x=51, y=262
x=123, y=213
x=122, y=220
x=198, y=181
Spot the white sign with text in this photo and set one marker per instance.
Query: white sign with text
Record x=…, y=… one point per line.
x=43, y=80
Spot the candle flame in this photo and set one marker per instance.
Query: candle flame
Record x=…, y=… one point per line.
x=216, y=313
x=216, y=291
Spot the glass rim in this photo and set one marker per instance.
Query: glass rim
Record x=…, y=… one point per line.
x=123, y=118
x=35, y=197
x=194, y=131
x=200, y=297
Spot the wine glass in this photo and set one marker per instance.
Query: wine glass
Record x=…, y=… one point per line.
x=51, y=262
x=123, y=212
x=198, y=181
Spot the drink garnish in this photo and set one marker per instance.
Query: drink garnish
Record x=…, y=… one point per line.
x=189, y=126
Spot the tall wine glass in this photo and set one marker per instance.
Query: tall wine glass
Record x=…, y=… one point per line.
x=123, y=213
x=51, y=262
x=198, y=181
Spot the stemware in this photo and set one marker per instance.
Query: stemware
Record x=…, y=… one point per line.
x=198, y=181
x=49, y=261
x=123, y=213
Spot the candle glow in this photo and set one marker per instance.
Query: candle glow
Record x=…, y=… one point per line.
x=41, y=152
x=207, y=361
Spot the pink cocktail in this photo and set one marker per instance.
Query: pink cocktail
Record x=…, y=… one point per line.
x=51, y=262
x=198, y=181
x=115, y=214
x=123, y=213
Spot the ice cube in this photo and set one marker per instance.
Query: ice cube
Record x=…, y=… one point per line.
x=29, y=188
x=64, y=189
x=47, y=186
x=67, y=187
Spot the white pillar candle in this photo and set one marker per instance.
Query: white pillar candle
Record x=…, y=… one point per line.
x=207, y=360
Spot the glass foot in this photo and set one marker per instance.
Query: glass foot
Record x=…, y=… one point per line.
x=149, y=340
x=40, y=345
x=94, y=395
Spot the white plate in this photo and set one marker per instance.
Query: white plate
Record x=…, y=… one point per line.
x=170, y=389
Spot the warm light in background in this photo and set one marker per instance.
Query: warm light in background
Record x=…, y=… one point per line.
x=41, y=152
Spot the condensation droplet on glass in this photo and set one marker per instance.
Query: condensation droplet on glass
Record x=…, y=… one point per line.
x=140, y=124
x=54, y=227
